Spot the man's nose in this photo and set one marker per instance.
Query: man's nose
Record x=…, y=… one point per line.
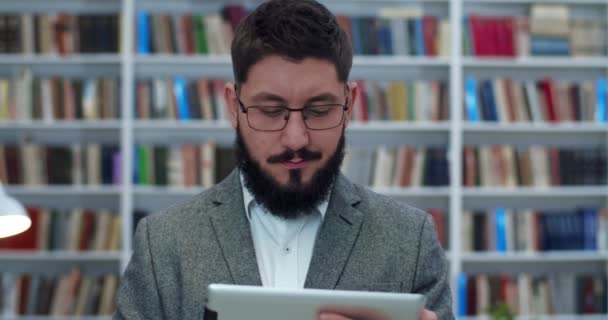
x=295, y=134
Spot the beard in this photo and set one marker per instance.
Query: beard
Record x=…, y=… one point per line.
x=296, y=198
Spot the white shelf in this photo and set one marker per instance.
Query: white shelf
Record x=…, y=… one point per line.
x=59, y=256
x=46, y=190
x=536, y=62
x=414, y=191
x=34, y=60
x=546, y=317
x=517, y=257
x=529, y=127
x=525, y=192
x=577, y=2
x=55, y=318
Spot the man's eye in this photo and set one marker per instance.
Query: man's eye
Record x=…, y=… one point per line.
x=272, y=111
x=318, y=111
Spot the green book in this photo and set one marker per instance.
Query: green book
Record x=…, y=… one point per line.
x=144, y=165
x=160, y=169
x=200, y=35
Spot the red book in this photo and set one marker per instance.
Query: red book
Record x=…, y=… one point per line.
x=429, y=27
x=188, y=33
x=477, y=31
x=509, y=28
x=554, y=165
x=363, y=107
x=548, y=92
x=511, y=103
x=26, y=240
x=86, y=229
x=437, y=215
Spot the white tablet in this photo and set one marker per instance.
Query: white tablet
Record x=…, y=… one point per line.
x=233, y=302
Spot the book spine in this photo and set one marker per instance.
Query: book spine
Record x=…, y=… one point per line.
x=143, y=36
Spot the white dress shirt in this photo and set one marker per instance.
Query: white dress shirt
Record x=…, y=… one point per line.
x=283, y=247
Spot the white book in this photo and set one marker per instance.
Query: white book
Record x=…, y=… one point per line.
x=383, y=167
x=161, y=103
x=93, y=164
x=90, y=104
x=524, y=288
x=207, y=158
x=47, y=100
x=399, y=36
x=418, y=168
x=23, y=97
x=27, y=33
x=77, y=165
x=466, y=231
x=532, y=94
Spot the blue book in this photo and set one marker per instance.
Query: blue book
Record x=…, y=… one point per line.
x=601, y=112
x=462, y=294
x=471, y=99
x=501, y=229
x=181, y=96
x=136, y=165
x=590, y=229
x=383, y=31
x=489, y=105
x=143, y=36
x=419, y=36
x=355, y=25
x=545, y=46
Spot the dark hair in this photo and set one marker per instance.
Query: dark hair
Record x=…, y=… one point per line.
x=293, y=29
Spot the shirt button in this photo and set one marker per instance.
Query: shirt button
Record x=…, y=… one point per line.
x=287, y=250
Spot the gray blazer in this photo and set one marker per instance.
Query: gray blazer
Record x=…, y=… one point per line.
x=366, y=242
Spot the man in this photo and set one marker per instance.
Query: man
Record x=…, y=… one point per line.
x=286, y=217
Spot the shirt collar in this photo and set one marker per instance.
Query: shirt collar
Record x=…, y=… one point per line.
x=249, y=199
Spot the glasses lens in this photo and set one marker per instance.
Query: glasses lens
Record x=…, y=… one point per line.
x=323, y=117
x=275, y=118
x=267, y=118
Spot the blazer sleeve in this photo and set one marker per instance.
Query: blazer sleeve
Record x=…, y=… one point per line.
x=432, y=272
x=138, y=295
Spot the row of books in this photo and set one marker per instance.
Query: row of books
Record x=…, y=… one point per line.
x=547, y=100
x=77, y=164
x=402, y=101
x=69, y=294
x=78, y=229
x=187, y=33
x=529, y=230
x=549, y=30
x=25, y=98
x=59, y=33
x=398, y=32
x=404, y=166
x=181, y=99
x=541, y=166
x=185, y=165
x=526, y=294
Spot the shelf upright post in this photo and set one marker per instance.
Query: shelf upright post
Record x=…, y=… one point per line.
x=126, y=137
x=455, y=147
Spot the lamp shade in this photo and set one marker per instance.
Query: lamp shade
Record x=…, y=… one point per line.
x=13, y=217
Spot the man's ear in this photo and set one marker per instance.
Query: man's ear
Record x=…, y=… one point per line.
x=353, y=94
x=231, y=103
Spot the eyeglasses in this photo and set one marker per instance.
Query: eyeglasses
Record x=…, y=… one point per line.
x=275, y=118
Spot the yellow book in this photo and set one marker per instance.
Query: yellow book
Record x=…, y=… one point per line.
x=397, y=96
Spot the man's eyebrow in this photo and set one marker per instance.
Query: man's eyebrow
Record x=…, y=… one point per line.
x=324, y=97
x=271, y=97
x=268, y=97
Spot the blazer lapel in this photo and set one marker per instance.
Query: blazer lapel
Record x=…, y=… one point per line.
x=336, y=237
x=233, y=231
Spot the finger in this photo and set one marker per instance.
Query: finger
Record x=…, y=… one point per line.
x=426, y=314
x=331, y=316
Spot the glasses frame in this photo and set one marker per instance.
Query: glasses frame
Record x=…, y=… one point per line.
x=244, y=109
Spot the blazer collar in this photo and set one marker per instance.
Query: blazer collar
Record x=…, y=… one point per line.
x=233, y=232
x=335, y=240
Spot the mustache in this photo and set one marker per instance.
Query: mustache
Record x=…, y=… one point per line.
x=289, y=154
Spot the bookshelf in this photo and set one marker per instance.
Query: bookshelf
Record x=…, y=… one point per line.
x=129, y=66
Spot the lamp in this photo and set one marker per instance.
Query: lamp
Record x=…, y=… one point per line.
x=13, y=217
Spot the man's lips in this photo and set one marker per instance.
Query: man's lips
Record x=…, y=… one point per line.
x=295, y=163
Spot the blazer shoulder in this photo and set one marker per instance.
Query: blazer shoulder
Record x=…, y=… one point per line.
x=385, y=208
